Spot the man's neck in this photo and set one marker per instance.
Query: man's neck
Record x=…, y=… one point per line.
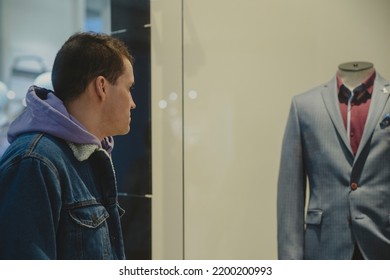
x=81, y=110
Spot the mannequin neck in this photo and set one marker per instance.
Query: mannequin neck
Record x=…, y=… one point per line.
x=355, y=73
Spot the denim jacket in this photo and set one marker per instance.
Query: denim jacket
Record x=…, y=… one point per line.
x=58, y=200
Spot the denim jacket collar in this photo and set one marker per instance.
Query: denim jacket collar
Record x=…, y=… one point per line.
x=84, y=151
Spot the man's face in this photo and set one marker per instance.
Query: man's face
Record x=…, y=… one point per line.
x=117, y=115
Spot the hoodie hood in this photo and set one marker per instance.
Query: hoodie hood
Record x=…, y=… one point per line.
x=46, y=113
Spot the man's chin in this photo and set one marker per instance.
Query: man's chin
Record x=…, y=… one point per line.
x=122, y=132
x=126, y=131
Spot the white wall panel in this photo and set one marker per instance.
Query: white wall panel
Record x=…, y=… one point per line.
x=167, y=130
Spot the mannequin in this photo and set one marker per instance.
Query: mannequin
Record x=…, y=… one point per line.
x=354, y=73
x=333, y=188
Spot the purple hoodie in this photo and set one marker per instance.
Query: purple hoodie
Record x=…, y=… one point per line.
x=47, y=113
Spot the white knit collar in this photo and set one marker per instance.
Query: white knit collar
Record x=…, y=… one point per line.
x=84, y=151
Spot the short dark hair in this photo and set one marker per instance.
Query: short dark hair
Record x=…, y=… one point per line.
x=83, y=57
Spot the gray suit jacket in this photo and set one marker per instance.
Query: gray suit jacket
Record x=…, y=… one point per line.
x=348, y=196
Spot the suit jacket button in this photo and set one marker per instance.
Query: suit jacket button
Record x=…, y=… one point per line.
x=354, y=186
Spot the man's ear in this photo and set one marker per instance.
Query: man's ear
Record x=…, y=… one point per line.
x=101, y=87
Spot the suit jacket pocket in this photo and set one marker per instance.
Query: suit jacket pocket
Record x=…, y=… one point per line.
x=314, y=217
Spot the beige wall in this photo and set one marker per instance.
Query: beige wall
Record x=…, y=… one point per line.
x=223, y=74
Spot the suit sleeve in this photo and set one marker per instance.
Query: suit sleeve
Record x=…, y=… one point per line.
x=291, y=191
x=30, y=203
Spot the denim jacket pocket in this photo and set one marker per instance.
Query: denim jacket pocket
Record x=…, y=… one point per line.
x=121, y=211
x=85, y=232
x=314, y=217
x=90, y=216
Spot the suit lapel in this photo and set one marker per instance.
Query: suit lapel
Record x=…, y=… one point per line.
x=329, y=95
x=379, y=99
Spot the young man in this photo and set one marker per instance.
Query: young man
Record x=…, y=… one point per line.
x=58, y=195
